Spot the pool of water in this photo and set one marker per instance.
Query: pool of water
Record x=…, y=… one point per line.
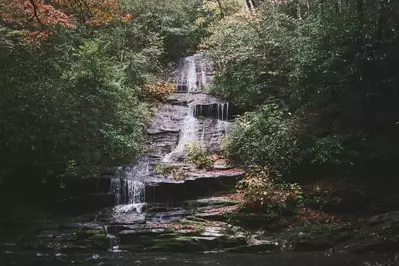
x=46, y=258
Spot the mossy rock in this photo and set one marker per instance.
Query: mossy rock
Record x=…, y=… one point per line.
x=178, y=244
x=254, y=221
x=316, y=237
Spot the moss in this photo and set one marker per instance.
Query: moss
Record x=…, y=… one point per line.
x=177, y=244
x=175, y=172
x=316, y=236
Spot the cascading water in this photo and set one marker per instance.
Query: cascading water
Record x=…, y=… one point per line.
x=189, y=133
x=223, y=123
x=223, y=111
x=192, y=73
x=129, y=188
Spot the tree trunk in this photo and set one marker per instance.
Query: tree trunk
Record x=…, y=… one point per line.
x=360, y=12
x=221, y=9
x=299, y=12
x=381, y=20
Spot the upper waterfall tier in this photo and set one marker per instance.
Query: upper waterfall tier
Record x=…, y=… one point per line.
x=193, y=73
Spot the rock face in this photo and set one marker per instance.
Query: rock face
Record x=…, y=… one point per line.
x=195, y=117
x=156, y=212
x=380, y=235
x=175, y=214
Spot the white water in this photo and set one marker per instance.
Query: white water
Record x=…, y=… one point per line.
x=192, y=73
x=223, y=111
x=188, y=134
x=129, y=188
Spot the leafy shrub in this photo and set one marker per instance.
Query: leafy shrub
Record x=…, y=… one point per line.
x=225, y=147
x=265, y=138
x=327, y=150
x=175, y=172
x=262, y=192
x=80, y=116
x=199, y=155
x=159, y=90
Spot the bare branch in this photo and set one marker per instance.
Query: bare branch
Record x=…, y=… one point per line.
x=36, y=13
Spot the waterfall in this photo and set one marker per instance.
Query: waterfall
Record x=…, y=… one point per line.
x=192, y=73
x=223, y=111
x=189, y=133
x=116, y=189
x=129, y=188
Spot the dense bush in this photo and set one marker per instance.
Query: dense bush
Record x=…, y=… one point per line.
x=181, y=24
x=159, y=90
x=262, y=192
x=252, y=55
x=199, y=155
x=69, y=109
x=265, y=137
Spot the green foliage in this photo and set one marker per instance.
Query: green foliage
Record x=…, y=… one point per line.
x=262, y=192
x=68, y=110
x=226, y=147
x=199, y=155
x=265, y=137
x=252, y=55
x=175, y=172
x=180, y=24
x=318, y=84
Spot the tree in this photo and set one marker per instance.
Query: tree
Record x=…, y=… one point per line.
x=38, y=18
x=330, y=69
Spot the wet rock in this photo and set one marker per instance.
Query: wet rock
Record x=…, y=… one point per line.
x=266, y=246
x=255, y=221
x=66, y=237
x=315, y=237
x=168, y=118
x=187, y=98
x=197, y=184
x=78, y=186
x=222, y=164
x=381, y=236
x=162, y=143
x=184, y=235
x=86, y=203
x=371, y=244
x=221, y=111
x=212, y=202
x=390, y=218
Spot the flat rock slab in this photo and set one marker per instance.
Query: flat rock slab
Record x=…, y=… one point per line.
x=184, y=235
x=167, y=118
x=222, y=164
x=216, y=174
x=196, y=185
x=194, y=98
